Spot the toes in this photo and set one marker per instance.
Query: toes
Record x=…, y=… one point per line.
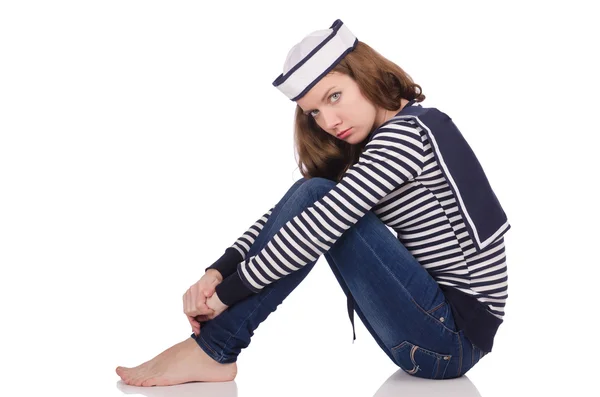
x=134, y=376
x=129, y=379
x=131, y=376
x=136, y=381
x=149, y=382
x=140, y=378
x=124, y=372
x=121, y=371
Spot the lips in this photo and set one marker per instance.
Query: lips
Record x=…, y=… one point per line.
x=343, y=132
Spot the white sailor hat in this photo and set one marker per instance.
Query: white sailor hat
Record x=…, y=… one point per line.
x=312, y=58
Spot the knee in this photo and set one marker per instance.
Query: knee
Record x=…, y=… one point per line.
x=300, y=181
x=316, y=187
x=317, y=181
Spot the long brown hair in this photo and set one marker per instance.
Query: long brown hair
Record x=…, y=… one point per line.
x=382, y=82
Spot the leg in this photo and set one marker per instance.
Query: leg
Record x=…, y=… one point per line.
x=224, y=337
x=399, y=302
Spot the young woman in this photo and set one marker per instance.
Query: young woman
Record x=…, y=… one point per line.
x=372, y=158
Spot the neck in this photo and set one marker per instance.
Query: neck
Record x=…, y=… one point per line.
x=388, y=114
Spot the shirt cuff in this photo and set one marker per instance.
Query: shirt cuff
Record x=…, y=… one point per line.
x=232, y=290
x=227, y=263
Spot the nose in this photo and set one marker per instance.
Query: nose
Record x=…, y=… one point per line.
x=331, y=119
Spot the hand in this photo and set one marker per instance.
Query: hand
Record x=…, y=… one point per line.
x=216, y=305
x=194, y=299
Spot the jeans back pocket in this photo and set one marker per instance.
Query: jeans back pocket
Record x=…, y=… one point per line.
x=420, y=362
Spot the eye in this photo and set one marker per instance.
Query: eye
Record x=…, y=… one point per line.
x=330, y=96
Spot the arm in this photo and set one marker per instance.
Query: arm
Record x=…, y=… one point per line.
x=393, y=157
x=227, y=263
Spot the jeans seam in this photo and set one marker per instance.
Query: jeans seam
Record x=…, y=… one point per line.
x=276, y=207
x=387, y=269
x=263, y=230
x=405, y=290
x=435, y=308
x=205, y=343
x=383, y=265
x=246, y=319
x=433, y=318
x=389, y=351
x=445, y=369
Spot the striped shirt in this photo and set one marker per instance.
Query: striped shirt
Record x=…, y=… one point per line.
x=397, y=177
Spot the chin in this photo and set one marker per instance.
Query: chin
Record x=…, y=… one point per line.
x=355, y=138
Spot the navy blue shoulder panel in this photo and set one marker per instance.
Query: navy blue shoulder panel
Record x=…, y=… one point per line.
x=479, y=206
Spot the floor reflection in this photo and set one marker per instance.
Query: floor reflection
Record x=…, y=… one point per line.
x=405, y=385
x=192, y=389
x=398, y=384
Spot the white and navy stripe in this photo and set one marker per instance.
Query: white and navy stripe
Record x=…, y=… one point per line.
x=392, y=158
x=425, y=215
x=399, y=178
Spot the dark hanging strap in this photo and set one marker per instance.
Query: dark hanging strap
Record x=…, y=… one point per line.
x=351, y=314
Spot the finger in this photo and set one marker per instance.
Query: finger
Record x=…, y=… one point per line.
x=200, y=312
x=193, y=321
x=190, y=304
x=194, y=294
x=208, y=310
x=186, y=306
x=202, y=318
x=200, y=305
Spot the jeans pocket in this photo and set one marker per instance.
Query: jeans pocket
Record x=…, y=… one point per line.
x=442, y=313
x=420, y=362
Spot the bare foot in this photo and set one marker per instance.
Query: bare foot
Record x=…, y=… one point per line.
x=181, y=363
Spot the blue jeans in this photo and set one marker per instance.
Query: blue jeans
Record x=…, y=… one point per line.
x=397, y=300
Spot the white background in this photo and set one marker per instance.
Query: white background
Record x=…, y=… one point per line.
x=139, y=139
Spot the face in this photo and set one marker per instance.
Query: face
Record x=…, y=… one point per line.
x=337, y=104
